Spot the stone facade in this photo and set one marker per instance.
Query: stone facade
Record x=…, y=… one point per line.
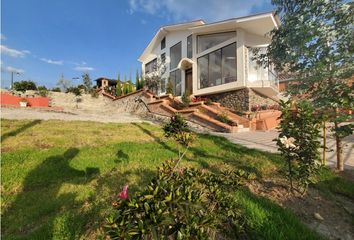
x=241, y=100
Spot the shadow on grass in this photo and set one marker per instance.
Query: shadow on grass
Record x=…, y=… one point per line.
x=157, y=139
x=40, y=203
x=19, y=130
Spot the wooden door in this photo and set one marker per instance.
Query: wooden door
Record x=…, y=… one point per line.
x=189, y=81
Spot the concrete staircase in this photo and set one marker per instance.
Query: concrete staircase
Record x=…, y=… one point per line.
x=212, y=116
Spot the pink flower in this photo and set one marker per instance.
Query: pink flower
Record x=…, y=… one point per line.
x=124, y=193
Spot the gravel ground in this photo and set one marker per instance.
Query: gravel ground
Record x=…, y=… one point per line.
x=72, y=115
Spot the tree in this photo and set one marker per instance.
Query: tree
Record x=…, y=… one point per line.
x=119, y=89
x=137, y=80
x=315, y=45
x=142, y=80
x=169, y=88
x=22, y=86
x=130, y=86
x=154, y=79
x=64, y=84
x=87, y=82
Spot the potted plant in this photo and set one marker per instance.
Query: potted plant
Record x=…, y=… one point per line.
x=23, y=102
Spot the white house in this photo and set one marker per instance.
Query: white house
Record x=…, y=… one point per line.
x=214, y=59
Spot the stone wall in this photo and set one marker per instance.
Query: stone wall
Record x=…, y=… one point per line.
x=241, y=100
x=236, y=100
x=256, y=98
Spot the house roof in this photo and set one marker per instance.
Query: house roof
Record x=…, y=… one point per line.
x=168, y=28
x=111, y=81
x=262, y=22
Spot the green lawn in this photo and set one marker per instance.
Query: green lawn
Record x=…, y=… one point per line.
x=59, y=178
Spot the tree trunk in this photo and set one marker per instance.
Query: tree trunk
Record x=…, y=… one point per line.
x=340, y=162
x=324, y=144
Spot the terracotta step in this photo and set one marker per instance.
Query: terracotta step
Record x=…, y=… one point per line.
x=217, y=125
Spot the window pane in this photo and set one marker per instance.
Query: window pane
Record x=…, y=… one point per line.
x=163, y=85
x=175, y=53
x=203, y=72
x=163, y=58
x=215, y=68
x=151, y=66
x=189, y=47
x=175, y=78
x=229, y=64
x=208, y=41
x=163, y=43
x=256, y=72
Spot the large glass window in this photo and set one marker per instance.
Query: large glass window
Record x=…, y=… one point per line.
x=175, y=78
x=189, y=47
x=229, y=63
x=175, y=54
x=205, y=42
x=151, y=66
x=256, y=72
x=218, y=67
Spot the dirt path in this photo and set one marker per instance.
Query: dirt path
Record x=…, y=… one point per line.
x=336, y=212
x=72, y=115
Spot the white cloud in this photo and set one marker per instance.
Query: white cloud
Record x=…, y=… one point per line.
x=13, y=52
x=58, y=62
x=12, y=69
x=210, y=10
x=83, y=68
x=2, y=37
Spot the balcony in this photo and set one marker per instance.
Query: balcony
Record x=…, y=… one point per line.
x=263, y=81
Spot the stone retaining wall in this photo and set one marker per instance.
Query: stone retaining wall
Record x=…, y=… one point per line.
x=241, y=100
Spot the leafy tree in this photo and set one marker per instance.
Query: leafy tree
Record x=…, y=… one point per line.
x=119, y=89
x=142, y=80
x=87, y=82
x=39, y=88
x=154, y=79
x=315, y=45
x=125, y=88
x=130, y=86
x=298, y=141
x=22, y=86
x=55, y=89
x=169, y=88
x=137, y=80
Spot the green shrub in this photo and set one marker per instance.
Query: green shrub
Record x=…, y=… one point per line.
x=298, y=142
x=186, y=100
x=180, y=204
x=56, y=89
x=169, y=88
x=75, y=90
x=223, y=117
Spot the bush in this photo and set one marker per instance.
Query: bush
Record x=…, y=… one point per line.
x=186, y=100
x=169, y=88
x=223, y=117
x=75, y=90
x=180, y=204
x=43, y=92
x=22, y=86
x=56, y=89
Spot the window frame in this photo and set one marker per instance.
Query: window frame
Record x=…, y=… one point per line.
x=171, y=69
x=199, y=87
x=191, y=47
x=163, y=43
x=154, y=68
x=215, y=33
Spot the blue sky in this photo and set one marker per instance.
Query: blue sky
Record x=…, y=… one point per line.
x=43, y=39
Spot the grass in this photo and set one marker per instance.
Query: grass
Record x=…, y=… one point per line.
x=59, y=178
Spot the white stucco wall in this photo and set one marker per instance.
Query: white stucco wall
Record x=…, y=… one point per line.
x=242, y=39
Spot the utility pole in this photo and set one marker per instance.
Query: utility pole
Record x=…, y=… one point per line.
x=12, y=79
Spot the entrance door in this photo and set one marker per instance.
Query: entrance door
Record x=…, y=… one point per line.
x=189, y=81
